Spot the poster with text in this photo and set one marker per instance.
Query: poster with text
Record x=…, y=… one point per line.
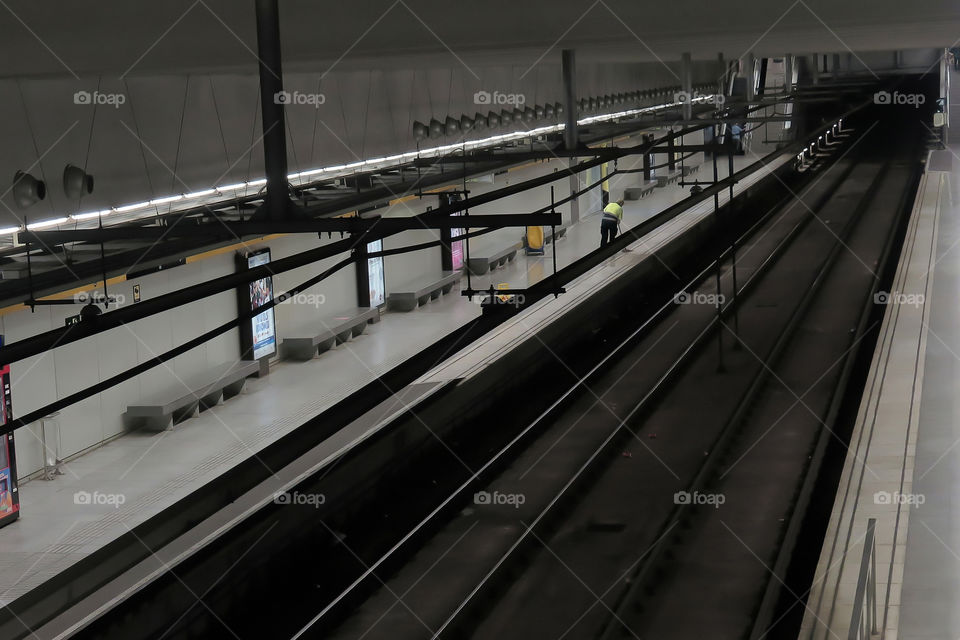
x=9, y=498
x=375, y=275
x=264, y=329
x=456, y=247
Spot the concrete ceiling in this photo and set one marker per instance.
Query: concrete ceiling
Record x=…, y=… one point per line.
x=119, y=37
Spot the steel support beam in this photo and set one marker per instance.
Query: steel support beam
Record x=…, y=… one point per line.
x=571, y=136
x=723, y=72
x=277, y=204
x=647, y=163
x=568, y=67
x=788, y=73
x=320, y=225
x=762, y=76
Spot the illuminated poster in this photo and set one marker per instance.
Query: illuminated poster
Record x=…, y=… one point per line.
x=375, y=275
x=263, y=328
x=456, y=247
x=9, y=497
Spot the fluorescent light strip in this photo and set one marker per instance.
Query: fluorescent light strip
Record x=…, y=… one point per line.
x=433, y=151
x=166, y=199
x=199, y=194
x=131, y=207
x=92, y=214
x=46, y=223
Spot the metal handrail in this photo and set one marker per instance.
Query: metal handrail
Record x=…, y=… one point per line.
x=863, y=623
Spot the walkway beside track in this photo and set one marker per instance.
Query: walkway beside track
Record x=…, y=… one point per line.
x=902, y=449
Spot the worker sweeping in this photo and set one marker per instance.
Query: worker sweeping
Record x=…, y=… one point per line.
x=610, y=225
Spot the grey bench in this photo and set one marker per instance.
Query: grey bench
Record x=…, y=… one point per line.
x=559, y=231
x=669, y=178
x=334, y=329
x=639, y=191
x=161, y=410
x=418, y=292
x=690, y=169
x=489, y=260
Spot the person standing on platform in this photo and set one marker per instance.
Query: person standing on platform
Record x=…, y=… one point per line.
x=736, y=138
x=612, y=217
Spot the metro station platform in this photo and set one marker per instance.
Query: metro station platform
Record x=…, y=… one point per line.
x=153, y=471
x=895, y=522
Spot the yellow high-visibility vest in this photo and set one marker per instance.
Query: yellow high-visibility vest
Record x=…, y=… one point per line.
x=613, y=211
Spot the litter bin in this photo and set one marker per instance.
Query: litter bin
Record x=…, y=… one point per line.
x=50, y=436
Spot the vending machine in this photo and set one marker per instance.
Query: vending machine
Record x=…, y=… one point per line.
x=9, y=496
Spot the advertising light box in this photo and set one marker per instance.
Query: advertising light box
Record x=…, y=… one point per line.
x=9, y=496
x=258, y=337
x=375, y=275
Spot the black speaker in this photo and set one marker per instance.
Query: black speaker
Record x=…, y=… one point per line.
x=27, y=190
x=76, y=183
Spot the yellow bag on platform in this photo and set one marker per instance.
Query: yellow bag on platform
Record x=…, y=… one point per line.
x=535, y=239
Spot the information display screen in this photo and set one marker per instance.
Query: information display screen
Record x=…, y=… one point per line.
x=9, y=496
x=375, y=275
x=456, y=247
x=260, y=339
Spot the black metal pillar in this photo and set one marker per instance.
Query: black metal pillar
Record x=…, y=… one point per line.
x=708, y=138
x=762, y=80
x=723, y=73
x=788, y=73
x=363, y=275
x=733, y=256
x=571, y=138
x=686, y=82
x=716, y=219
x=671, y=158
x=446, y=240
x=277, y=205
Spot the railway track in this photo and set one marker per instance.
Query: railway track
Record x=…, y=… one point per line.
x=498, y=569
x=402, y=548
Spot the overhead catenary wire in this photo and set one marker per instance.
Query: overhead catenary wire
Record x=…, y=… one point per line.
x=176, y=162
x=86, y=160
x=253, y=143
x=140, y=144
x=216, y=111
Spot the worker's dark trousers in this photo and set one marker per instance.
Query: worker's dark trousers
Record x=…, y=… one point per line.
x=608, y=231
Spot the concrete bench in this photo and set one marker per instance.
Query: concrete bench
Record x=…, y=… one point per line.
x=548, y=237
x=160, y=410
x=641, y=190
x=485, y=261
x=328, y=331
x=418, y=292
x=668, y=178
